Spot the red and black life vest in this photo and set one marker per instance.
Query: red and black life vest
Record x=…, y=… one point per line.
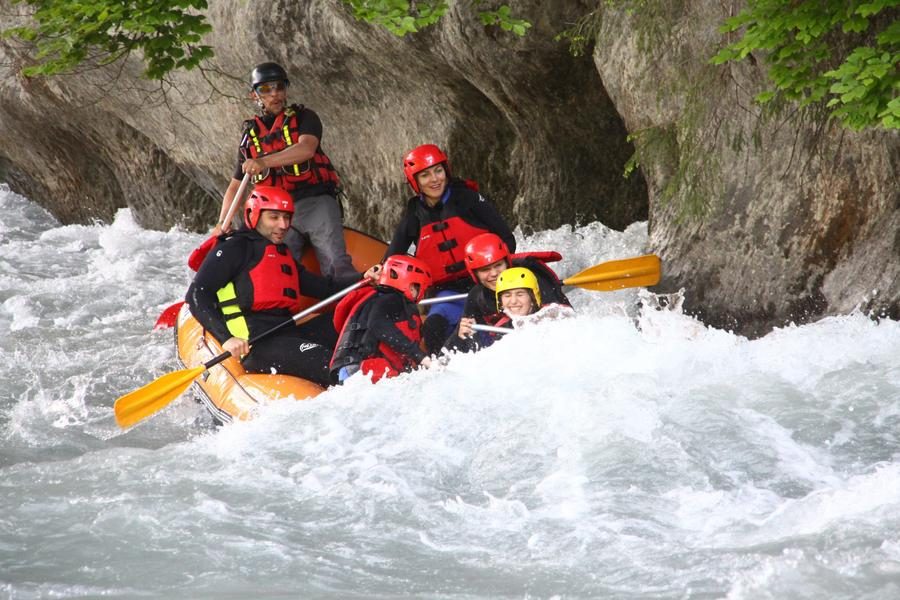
x=356, y=346
x=272, y=285
x=442, y=243
x=284, y=131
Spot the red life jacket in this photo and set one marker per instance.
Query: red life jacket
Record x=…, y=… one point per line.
x=271, y=284
x=356, y=347
x=261, y=140
x=274, y=280
x=442, y=245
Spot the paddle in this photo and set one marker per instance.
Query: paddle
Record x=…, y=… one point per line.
x=238, y=195
x=167, y=318
x=153, y=397
x=640, y=271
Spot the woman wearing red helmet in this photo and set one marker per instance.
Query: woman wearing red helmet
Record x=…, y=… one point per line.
x=440, y=220
x=380, y=327
x=250, y=283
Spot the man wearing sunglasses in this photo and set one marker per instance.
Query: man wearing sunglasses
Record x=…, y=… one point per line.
x=281, y=147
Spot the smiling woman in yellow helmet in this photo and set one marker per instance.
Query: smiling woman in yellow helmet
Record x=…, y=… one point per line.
x=518, y=293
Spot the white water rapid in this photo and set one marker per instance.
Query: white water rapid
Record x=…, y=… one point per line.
x=626, y=453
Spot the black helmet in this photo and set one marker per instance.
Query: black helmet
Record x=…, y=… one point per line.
x=267, y=71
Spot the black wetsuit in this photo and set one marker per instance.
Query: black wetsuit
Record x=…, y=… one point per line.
x=304, y=350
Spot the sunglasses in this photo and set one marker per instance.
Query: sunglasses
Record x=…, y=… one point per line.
x=270, y=88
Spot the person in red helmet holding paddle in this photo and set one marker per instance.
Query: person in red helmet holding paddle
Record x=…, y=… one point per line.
x=281, y=147
x=251, y=282
x=440, y=219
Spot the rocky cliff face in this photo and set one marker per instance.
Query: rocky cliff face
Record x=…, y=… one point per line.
x=763, y=220
x=532, y=125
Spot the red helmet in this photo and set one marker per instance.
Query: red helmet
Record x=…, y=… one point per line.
x=266, y=197
x=419, y=159
x=484, y=249
x=401, y=272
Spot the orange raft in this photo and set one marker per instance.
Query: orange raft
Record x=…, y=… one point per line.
x=227, y=390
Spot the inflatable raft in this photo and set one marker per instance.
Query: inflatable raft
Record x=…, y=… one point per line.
x=227, y=390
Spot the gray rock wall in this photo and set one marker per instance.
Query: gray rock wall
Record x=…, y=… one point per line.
x=798, y=219
x=532, y=125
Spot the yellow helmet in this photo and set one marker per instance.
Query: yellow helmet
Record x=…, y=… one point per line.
x=518, y=278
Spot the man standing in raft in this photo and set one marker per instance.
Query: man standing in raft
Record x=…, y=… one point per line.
x=282, y=147
x=440, y=220
x=250, y=283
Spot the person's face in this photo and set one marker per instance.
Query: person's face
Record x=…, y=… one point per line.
x=516, y=303
x=487, y=276
x=273, y=225
x=272, y=95
x=432, y=182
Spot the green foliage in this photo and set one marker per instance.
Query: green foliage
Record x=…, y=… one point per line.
x=67, y=33
x=168, y=33
x=583, y=33
x=409, y=16
x=399, y=16
x=503, y=18
x=840, y=53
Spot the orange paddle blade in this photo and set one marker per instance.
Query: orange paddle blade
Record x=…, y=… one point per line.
x=640, y=271
x=154, y=396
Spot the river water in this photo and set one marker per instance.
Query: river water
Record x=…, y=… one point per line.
x=630, y=452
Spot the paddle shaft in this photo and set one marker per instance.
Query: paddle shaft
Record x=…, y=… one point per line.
x=307, y=311
x=606, y=276
x=451, y=298
x=235, y=202
x=603, y=277
x=490, y=328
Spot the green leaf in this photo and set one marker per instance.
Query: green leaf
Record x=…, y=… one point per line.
x=837, y=54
